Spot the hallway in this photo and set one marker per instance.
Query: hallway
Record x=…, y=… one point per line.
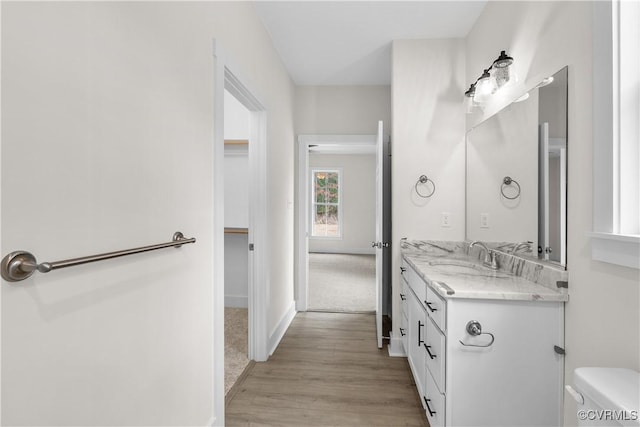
x=327, y=371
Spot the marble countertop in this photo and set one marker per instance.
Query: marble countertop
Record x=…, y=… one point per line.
x=454, y=273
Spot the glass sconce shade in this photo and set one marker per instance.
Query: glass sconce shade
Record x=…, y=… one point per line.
x=484, y=87
x=502, y=76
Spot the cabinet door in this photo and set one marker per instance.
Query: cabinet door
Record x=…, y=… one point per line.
x=415, y=339
x=517, y=379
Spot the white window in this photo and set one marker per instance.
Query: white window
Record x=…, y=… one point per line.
x=616, y=132
x=326, y=211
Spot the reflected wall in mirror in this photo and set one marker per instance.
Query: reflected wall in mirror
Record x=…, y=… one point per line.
x=516, y=196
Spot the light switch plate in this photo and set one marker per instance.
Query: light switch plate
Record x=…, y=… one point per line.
x=484, y=220
x=445, y=219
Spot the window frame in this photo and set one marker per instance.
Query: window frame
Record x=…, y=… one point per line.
x=313, y=202
x=612, y=218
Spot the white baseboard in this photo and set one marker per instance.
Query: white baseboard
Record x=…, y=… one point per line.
x=396, y=349
x=236, y=301
x=281, y=328
x=349, y=251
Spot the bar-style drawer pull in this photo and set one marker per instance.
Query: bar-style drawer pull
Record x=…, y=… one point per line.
x=20, y=265
x=402, y=332
x=403, y=297
x=427, y=347
x=431, y=309
x=426, y=401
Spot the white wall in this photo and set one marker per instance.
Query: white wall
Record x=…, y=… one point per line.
x=358, y=186
x=236, y=118
x=342, y=110
x=236, y=270
x=236, y=187
x=427, y=138
x=602, y=315
x=107, y=120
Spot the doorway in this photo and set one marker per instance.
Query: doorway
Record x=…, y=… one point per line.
x=341, y=228
x=256, y=231
x=237, y=133
x=345, y=143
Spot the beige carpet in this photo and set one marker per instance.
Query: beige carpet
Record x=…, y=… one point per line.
x=342, y=282
x=235, y=345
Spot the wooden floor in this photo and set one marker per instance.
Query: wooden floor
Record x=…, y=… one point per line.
x=327, y=371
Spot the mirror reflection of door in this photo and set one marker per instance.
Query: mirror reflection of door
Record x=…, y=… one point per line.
x=552, y=171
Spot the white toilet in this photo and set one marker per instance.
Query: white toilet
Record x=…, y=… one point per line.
x=606, y=396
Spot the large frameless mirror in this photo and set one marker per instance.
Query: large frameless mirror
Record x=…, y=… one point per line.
x=516, y=195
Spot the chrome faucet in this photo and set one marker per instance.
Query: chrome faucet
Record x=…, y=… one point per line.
x=489, y=255
x=526, y=245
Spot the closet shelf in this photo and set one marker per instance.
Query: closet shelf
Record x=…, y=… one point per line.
x=236, y=142
x=236, y=230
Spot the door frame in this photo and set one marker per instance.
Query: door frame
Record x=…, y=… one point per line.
x=227, y=76
x=302, y=203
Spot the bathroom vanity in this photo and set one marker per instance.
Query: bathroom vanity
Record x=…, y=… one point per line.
x=485, y=346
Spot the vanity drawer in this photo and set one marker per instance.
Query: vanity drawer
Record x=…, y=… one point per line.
x=435, y=350
x=415, y=282
x=435, y=403
x=437, y=309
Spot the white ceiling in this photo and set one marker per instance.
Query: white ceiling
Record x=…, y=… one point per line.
x=349, y=42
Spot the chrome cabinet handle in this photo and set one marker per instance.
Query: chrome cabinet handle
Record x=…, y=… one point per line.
x=474, y=328
x=427, y=347
x=426, y=401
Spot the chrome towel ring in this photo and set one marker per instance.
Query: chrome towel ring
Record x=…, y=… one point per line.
x=424, y=180
x=474, y=328
x=506, y=182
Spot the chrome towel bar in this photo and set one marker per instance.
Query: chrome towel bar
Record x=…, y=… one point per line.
x=20, y=265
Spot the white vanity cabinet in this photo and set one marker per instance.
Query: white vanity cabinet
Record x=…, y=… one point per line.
x=415, y=316
x=509, y=374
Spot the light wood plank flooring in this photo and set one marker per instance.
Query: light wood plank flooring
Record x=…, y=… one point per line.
x=327, y=371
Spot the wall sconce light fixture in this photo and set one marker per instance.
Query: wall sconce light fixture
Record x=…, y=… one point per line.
x=493, y=78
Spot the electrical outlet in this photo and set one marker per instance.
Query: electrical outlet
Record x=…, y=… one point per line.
x=446, y=219
x=484, y=220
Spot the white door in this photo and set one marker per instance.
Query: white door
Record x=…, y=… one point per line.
x=379, y=244
x=98, y=157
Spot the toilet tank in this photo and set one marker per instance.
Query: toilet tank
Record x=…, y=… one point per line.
x=607, y=396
